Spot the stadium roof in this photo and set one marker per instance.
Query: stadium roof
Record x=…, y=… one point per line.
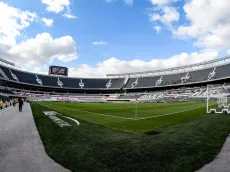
x=206, y=64
x=7, y=62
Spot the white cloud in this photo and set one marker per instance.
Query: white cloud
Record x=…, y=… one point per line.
x=56, y=6
x=157, y=28
x=33, y=51
x=69, y=16
x=162, y=12
x=99, y=43
x=162, y=2
x=228, y=51
x=41, y=49
x=47, y=22
x=13, y=21
x=128, y=2
x=169, y=16
x=109, y=1
x=114, y=65
x=209, y=23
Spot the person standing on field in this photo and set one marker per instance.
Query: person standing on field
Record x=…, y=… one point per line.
x=14, y=102
x=1, y=104
x=20, y=102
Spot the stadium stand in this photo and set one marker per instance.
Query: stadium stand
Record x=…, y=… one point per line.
x=152, y=96
x=25, y=77
x=1, y=76
x=6, y=91
x=180, y=78
x=8, y=74
x=175, y=95
x=148, y=81
x=129, y=96
x=191, y=79
x=70, y=82
x=117, y=83
x=222, y=71
x=132, y=83
x=53, y=81
x=172, y=79
x=95, y=83
x=200, y=75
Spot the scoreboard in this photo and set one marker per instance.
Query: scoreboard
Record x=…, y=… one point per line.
x=58, y=70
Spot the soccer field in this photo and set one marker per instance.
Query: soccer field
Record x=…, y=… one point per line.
x=163, y=137
x=134, y=117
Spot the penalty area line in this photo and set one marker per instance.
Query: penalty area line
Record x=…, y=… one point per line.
x=100, y=114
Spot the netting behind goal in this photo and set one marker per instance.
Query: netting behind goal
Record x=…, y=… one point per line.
x=218, y=99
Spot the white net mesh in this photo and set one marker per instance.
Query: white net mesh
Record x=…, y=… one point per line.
x=222, y=98
x=218, y=99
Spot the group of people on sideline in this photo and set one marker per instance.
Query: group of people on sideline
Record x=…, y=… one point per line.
x=12, y=102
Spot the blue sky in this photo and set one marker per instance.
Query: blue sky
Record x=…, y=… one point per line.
x=129, y=41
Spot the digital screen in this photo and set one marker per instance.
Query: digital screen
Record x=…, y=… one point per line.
x=58, y=70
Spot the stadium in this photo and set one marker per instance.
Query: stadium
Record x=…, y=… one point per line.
x=114, y=86
x=127, y=122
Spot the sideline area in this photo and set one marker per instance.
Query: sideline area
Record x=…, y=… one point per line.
x=21, y=149
x=221, y=162
x=185, y=146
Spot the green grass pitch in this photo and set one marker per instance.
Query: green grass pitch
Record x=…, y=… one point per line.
x=110, y=138
x=131, y=117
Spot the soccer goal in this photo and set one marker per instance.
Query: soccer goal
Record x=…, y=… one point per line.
x=218, y=99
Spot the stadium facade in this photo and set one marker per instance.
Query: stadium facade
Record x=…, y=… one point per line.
x=179, y=82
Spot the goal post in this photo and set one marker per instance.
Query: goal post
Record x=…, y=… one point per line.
x=218, y=99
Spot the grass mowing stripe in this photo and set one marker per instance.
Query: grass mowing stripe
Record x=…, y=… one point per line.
x=168, y=114
x=126, y=105
x=130, y=118
x=132, y=126
x=184, y=146
x=91, y=112
x=128, y=110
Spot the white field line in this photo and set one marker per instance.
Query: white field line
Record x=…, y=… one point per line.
x=128, y=118
x=167, y=114
x=78, y=123
x=90, y=112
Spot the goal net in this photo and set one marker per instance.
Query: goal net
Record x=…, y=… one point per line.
x=218, y=99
